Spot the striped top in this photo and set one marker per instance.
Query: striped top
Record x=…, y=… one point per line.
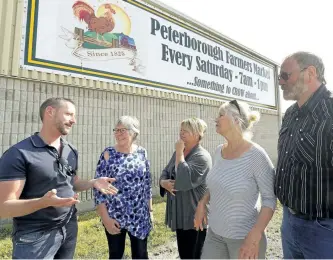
x=234, y=187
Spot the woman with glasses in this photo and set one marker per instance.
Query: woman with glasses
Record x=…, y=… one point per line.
x=130, y=211
x=241, y=171
x=184, y=180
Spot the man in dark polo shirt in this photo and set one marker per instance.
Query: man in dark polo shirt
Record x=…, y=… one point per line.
x=38, y=182
x=304, y=174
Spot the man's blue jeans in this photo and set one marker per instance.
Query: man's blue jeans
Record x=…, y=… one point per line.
x=54, y=244
x=306, y=239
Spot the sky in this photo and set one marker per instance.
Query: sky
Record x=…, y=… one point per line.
x=274, y=29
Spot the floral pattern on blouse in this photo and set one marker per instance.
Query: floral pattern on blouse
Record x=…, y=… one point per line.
x=130, y=206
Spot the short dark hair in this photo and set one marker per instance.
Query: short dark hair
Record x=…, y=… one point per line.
x=53, y=102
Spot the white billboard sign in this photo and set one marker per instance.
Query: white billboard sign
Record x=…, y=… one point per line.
x=132, y=43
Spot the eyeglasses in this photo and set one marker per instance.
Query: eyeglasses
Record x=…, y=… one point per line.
x=235, y=103
x=120, y=130
x=285, y=75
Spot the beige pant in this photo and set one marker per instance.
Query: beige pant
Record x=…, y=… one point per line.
x=217, y=247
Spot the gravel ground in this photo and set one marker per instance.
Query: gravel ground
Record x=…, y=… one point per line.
x=274, y=250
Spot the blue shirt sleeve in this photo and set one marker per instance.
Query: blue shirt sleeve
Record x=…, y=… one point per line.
x=12, y=165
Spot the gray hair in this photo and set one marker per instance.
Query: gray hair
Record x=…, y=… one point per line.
x=53, y=102
x=306, y=59
x=131, y=123
x=195, y=126
x=245, y=117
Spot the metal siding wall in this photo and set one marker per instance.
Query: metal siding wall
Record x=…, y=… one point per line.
x=97, y=112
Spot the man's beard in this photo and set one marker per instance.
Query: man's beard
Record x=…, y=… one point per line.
x=294, y=92
x=62, y=129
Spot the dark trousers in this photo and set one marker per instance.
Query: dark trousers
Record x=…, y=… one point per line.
x=190, y=243
x=117, y=245
x=54, y=244
x=306, y=239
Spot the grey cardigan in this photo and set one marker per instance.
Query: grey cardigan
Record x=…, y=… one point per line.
x=190, y=183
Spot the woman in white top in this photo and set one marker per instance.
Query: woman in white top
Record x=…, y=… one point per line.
x=241, y=171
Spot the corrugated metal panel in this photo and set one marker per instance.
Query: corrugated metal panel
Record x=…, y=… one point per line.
x=17, y=44
x=7, y=29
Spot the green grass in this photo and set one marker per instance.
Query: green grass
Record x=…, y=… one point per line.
x=91, y=238
x=5, y=242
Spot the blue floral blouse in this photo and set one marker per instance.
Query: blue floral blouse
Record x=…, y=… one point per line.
x=130, y=206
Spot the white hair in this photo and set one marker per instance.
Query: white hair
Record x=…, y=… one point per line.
x=131, y=123
x=306, y=59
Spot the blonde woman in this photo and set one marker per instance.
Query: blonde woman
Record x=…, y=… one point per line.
x=241, y=171
x=184, y=180
x=130, y=211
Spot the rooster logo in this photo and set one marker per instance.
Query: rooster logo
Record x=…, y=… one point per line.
x=98, y=24
x=105, y=36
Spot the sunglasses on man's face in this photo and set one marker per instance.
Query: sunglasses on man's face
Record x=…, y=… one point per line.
x=285, y=75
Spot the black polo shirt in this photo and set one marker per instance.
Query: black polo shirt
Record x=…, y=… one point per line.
x=304, y=172
x=43, y=169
